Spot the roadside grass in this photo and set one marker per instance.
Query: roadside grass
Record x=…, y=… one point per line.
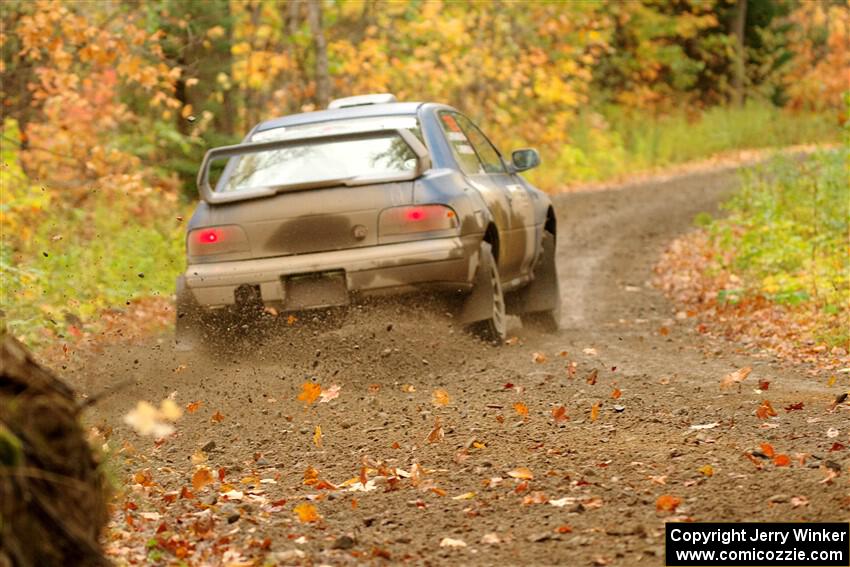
x=63, y=264
x=615, y=144
x=774, y=273
x=787, y=232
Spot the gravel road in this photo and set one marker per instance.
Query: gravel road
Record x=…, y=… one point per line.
x=592, y=498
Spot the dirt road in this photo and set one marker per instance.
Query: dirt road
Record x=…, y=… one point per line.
x=592, y=498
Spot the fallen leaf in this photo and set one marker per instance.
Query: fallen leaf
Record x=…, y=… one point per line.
x=329, y=394
x=616, y=393
x=306, y=512
x=521, y=409
x=735, y=377
x=591, y=378
x=840, y=399
x=767, y=449
x=217, y=417
x=522, y=473
x=538, y=357
x=565, y=529
x=535, y=498
x=781, y=460
x=667, y=503
x=560, y=414
x=764, y=385
x=291, y=320
x=707, y=470
x=563, y=354
x=408, y=388
x=317, y=436
x=794, y=407
x=202, y=477
x=594, y=411
x=464, y=496
x=798, y=501
x=765, y=410
x=837, y=447
x=192, y=407
x=663, y=331
x=309, y=392
x=440, y=397
x=437, y=433
x=449, y=542
x=311, y=476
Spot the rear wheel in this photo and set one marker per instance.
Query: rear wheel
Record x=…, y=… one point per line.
x=489, y=287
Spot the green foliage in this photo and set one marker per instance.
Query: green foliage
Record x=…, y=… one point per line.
x=787, y=231
x=616, y=143
x=78, y=261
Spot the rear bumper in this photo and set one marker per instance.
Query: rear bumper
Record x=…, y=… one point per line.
x=444, y=263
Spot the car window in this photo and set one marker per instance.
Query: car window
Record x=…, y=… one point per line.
x=381, y=155
x=488, y=154
x=462, y=149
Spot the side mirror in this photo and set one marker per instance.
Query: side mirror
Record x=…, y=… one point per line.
x=525, y=159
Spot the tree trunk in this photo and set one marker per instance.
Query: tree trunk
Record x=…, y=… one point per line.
x=52, y=491
x=314, y=17
x=739, y=24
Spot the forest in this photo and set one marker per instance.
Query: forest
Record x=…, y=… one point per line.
x=697, y=156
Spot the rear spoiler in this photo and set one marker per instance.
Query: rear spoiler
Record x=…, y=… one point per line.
x=423, y=163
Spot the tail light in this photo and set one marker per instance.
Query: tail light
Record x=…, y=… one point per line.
x=216, y=240
x=417, y=218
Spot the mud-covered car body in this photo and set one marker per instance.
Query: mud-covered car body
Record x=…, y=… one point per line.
x=322, y=208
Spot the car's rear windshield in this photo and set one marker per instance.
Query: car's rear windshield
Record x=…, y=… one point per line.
x=381, y=155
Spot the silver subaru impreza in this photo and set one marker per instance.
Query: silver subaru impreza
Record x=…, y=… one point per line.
x=370, y=196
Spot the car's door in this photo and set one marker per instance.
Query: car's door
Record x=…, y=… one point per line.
x=520, y=248
x=480, y=175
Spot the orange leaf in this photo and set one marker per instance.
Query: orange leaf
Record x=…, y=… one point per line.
x=186, y=493
x=616, y=393
x=565, y=529
x=307, y=512
x=560, y=414
x=192, y=407
x=217, y=417
x=765, y=410
x=317, y=436
x=202, y=477
x=667, y=503
x=594, y=411
x=781, y=460
x=311, y=476
x=437, y=433
x=767, y=449
x=521, y=409
x=523, y=473
x=735, y=377
x=707, y=470
x=591, y=378
x=538, y=357
x=440, y=397
x=309, y=392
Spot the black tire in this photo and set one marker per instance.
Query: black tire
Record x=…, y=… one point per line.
x=493, y=328
x=544, y=290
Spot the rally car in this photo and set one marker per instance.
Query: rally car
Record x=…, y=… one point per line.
x=370, y=196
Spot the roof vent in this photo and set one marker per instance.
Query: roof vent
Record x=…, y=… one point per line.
x=362, y=100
